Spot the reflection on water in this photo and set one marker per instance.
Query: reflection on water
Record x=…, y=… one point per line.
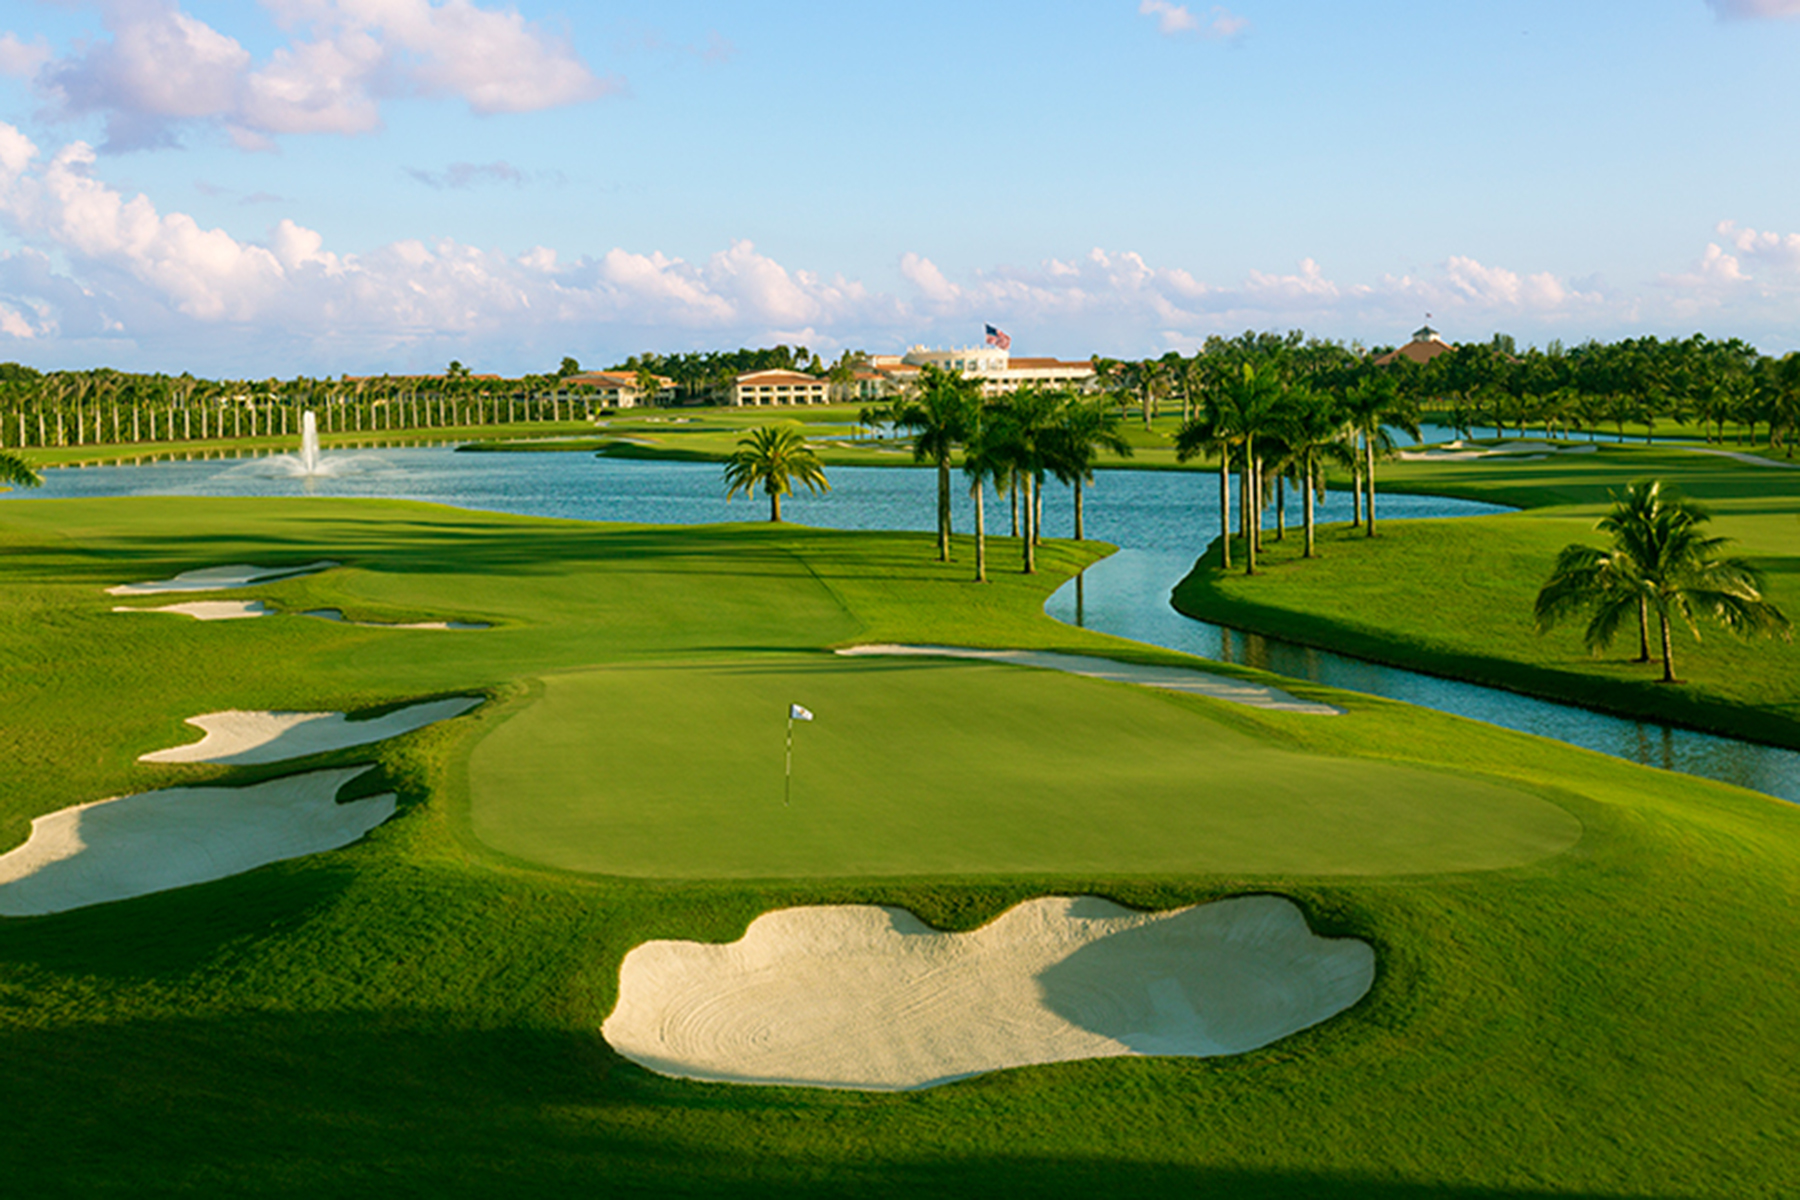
x=1161, y=520
x=1128, y=595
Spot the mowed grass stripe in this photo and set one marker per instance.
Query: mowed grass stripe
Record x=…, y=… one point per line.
x=925, y=767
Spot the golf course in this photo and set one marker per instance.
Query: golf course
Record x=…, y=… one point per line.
x=1579, y=968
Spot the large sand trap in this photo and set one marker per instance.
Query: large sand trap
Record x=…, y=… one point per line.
x=1175, y=679
x=209, y=610
x=154, y=841
x=219, y=579
x=239, y=737
x=337, y=614
x=872, y=998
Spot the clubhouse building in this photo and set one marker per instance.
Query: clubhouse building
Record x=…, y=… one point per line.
x=886, y=375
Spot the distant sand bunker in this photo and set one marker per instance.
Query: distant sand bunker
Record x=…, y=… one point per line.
x=242, y=737
x=219, y=579
x=872, y=998
x=1175, y=679
x=209, y=610
x=337, y=615
x=154, y=841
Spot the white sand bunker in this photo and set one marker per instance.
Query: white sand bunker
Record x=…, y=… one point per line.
x=337, y=614
x=1174, y=679
x=872, y=998
x=219, y=579
x=241, y=737
x=154, y=841
x=1522, y=451
x=209, y=610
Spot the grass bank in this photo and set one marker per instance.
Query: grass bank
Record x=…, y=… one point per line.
x=1454, y=598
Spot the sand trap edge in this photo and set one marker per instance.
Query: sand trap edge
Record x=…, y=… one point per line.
x=1174, y=679
x=130, y=846
x=869, y=998
x=240, y=737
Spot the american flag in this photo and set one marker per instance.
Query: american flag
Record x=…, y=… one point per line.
x=996, y=337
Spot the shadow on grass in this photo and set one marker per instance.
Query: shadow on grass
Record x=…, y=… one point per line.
x=309, y=1105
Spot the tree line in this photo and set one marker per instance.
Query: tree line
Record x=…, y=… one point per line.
x=1591, y=388
x=104, y=406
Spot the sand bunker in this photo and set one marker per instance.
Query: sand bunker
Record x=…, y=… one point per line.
x=209, y=610
x=239, y=737
x=1175, y=679
x=219, y=579
x=154, y=841
x=1740, y=456
x=336, y=614
x=872, y=998
x=1512, y=452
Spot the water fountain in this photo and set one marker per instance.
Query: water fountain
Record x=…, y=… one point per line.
x=311, y=463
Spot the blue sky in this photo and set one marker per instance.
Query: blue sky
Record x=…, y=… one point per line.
x=326, y=186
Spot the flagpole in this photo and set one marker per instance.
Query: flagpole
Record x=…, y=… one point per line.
x=787, y=791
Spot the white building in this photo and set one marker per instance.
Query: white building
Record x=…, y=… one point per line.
x=999, y=371
x=616, y=389
x=763, y=388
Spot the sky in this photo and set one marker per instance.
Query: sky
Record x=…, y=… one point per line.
x=323, y=187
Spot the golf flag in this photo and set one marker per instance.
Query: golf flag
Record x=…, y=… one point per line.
x=796, y=712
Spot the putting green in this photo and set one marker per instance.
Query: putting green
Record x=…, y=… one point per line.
x=925, y=767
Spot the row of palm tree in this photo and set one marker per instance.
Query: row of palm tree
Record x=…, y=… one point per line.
x=1278, y=428
x=76, y=408
x=1013, y=442
x=1590, y=388
x=1660, y=561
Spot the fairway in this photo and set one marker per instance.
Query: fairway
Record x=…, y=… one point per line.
x=934, y=767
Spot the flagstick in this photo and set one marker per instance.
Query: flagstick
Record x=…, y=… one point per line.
x=787, y=793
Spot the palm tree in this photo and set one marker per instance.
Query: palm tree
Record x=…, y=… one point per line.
x=775, y=457
x=987, y=456
x=939, y=415
x=1371, y=406
x=1311, y=436
x=1023, y=424
x=1073, y=445
x=15, y=470
x=1239, y=414
x=1660, y=560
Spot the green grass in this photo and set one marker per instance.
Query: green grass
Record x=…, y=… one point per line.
x=418, y=1014
x=930, y=768
x=1455, y=597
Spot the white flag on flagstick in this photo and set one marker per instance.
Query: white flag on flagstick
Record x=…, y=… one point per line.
x=797, y=713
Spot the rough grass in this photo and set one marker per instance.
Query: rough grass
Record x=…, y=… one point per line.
x=418, y=1014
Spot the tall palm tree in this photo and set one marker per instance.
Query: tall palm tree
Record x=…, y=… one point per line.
x=1023, y=425
x=1238, y=415
x=15, y=470
x=1660, y=560
x=776, y=457
x=1372, y=405
x=987, y=456
x=938, y=414
x=1083, y=429
x=1311, y=436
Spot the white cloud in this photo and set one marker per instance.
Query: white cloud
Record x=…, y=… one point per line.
x=162, y=67
x=1754, y=9
x=22, y=60
x=103, y=270
x=1172, y=20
